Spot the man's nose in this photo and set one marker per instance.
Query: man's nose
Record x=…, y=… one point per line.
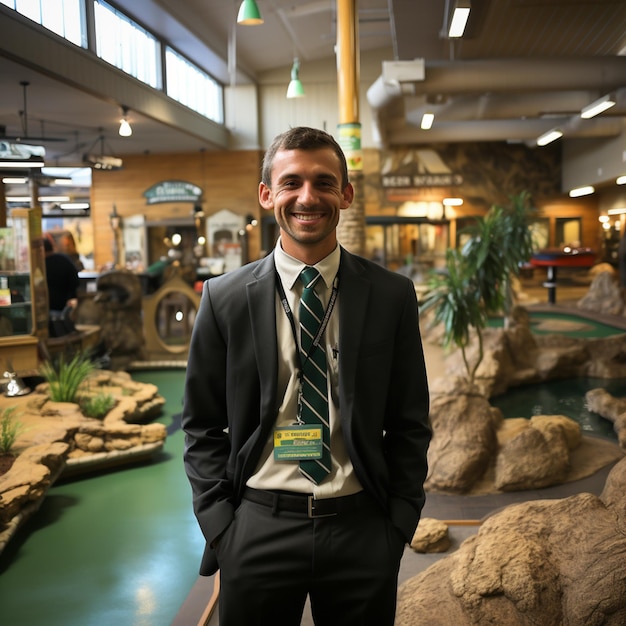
x=308, y=194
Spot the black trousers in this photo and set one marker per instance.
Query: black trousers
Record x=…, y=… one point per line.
x=271, y=560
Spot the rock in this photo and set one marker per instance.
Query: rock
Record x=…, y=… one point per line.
x=604, y=296
x=431, y=536
x=29, y=478
x=540, y=562
x=464, y=438
x=532, y=460
x=614, y=409
x=552, y=425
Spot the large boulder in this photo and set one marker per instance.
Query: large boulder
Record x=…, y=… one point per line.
x=538, y=455
x=604, y=296
x=547, y=562
x=464, y=436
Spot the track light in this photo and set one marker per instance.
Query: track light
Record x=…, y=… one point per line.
x=460, y=15
x=427, y=121
x=295, y=89
x=598, y=106
x=249, y=13
x=125, y=129
x=549, y=137
x=22, y=164
x=581, y=191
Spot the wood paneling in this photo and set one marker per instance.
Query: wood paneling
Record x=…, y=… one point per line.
x=229, y=180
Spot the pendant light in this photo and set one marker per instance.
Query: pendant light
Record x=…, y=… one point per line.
x=249, y=13
x=295, y=89
x=125, y=128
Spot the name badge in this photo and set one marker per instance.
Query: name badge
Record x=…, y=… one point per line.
x=297, y=443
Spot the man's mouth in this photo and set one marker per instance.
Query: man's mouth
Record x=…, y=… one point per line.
x=308, y=217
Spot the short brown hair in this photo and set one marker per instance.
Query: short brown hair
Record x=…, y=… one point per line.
x=302, y=138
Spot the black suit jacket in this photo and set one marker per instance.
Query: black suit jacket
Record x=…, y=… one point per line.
x=231, y=398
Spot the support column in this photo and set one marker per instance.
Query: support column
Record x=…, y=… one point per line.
x=351, y=229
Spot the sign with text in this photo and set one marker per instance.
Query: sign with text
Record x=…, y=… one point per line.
x=173, y=191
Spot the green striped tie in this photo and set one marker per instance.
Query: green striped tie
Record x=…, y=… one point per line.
x=314, y=385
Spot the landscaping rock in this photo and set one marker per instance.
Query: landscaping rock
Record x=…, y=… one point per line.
x=431, y=536
x=540, y=562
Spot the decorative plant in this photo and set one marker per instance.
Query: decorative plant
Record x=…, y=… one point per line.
x=456, y=301
x=499, y=244
x=97, y=406
x=10, y=428
x=65, y=378
x=477, y=281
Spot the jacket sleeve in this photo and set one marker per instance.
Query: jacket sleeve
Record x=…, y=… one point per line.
x=407, y=427
x=204, y=421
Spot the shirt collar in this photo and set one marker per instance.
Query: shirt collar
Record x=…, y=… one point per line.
x=289, y=268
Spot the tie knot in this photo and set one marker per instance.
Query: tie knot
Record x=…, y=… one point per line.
x=309, y=276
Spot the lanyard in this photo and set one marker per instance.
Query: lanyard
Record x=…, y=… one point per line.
x=292, y=322
x=316, y=340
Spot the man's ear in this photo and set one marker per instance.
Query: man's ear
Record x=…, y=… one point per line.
x=347, y=196
x=266, y=199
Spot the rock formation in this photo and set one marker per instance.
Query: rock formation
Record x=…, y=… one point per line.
x=57, y=439
x=547, y=562
x=604, y=296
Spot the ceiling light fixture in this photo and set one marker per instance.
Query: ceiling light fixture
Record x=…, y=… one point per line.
x=249, y=13
x=581, y=191
x=427, y=121
x=620, y=180
x=452, y=201
x=549, y=137
x=125, y=129
x=13, y=164
x=598, y=106
x=295, y=89
x=460, y=15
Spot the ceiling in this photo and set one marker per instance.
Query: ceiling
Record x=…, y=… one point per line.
x=522, y=66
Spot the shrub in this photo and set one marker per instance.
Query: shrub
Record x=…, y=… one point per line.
x=97, y=406
x=65, y=378
x=10, y=428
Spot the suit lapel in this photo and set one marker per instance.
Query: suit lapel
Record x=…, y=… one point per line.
x=262, y=304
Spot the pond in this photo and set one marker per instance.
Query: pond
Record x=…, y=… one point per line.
x=562, y=397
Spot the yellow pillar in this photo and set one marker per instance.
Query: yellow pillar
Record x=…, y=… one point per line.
x=351, y=230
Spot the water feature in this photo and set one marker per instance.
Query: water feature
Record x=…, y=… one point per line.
x=562, y=397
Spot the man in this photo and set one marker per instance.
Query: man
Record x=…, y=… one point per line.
x=277, y=528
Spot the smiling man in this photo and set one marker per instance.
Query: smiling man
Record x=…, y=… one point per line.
x=306, y=411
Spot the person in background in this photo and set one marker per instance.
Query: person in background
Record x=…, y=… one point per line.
x=62, y=278
x=328, y=516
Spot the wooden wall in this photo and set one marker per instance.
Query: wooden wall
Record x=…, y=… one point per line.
x=229, y=180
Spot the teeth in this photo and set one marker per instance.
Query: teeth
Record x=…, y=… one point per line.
x=307, y=216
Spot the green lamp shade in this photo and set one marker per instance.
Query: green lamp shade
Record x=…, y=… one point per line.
x=295, y=89
x=249, y=13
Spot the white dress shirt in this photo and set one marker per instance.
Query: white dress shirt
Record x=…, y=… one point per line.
x=285, y=475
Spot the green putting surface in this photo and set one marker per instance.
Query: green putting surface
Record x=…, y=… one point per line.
x=564, y=324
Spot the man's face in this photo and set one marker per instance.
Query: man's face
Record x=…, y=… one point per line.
x=306, y=198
